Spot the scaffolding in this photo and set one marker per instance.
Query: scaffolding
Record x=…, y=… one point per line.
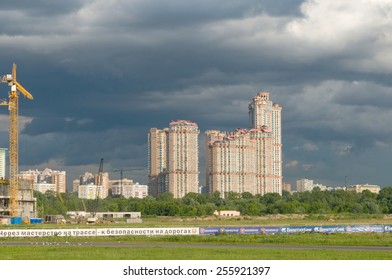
x=27, y=203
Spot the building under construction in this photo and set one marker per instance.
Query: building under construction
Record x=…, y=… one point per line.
x=27, y=204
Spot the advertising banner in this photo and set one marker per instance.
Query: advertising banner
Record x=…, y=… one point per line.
x=9, y=233
x=146, y=231
x=329, y=229
x=297, y=229
x=365, y=228
x=47, y=232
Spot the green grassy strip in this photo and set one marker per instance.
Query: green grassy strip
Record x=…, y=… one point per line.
x=164, y=253
x=338, y=239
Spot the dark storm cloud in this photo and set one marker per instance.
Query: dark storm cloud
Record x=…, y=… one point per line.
x=104, y=72
x=43, y=7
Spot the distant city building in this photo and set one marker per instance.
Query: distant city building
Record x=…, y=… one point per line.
x=362, y=187
x=119, y=182
x=104, y=183
x=173, y=163
x=304, y=185
x=287, y=187
x=247, y=160
x=89, y=186
x=91, y=192
x=86, y=179
x=47, y=176
x=2, y=163
x=264, y=113
x=239, y=161
x=130, y=190
x=157, y=161
x=75, y=185
x=44, y=187
x=320, y=186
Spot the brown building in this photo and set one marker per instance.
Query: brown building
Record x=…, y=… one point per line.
x=247, y=160
x=173, y=159
x=263, y=112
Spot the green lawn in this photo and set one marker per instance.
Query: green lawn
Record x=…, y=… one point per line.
x=164, y=253
x=154, y=248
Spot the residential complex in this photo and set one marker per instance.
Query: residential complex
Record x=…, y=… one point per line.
x=90, y=187
x=91, y=191
x=304, y=185
x=362, y=187
x=129, y=189
x=239, y=162
x=173, y=159
x=247, y=160
x=47, y=179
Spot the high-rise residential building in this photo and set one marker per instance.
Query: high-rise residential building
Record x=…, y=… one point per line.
x=2, y=163
x=263, y=141
x=239, y=162
x=247, y=160
x=183, y=158
x=231, y=163
x=173, y=159
x=157, y=160
x=47, y=176
x=263, y=112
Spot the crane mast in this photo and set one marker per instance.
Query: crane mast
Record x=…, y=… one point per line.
x=13, y=112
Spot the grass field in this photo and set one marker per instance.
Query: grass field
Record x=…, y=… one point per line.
x=164, y=253
x=189, y=247
x=186, y=247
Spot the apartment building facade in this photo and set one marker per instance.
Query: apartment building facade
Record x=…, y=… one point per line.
x=129, y=190
x=247, y=160
x=173, y=159
x=264, y=113
x=42, y=179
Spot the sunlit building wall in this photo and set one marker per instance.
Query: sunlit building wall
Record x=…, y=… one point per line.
x=182, y=158
x=263, y=112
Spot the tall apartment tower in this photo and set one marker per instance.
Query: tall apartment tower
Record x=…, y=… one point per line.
x=173, y=159
x=183, y=158
x=157, y=161
x=263, y=113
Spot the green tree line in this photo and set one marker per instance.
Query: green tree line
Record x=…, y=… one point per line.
x=194, y=204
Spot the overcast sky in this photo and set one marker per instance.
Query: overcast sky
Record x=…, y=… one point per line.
x=103, y=72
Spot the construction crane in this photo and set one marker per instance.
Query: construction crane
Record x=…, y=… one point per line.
x=13, y=111
x=99, y=183
x=100, y=178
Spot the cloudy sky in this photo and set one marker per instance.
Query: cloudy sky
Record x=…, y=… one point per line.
x=103, y=72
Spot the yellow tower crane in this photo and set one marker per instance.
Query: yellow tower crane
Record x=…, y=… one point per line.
x=13, y=110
